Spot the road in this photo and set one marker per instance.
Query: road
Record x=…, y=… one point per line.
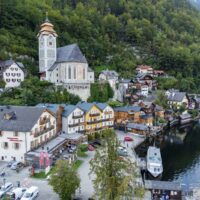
x=45, y=190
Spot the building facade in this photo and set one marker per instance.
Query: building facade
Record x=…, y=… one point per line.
x=12, y=73
x=24, y=128
x=65, y=66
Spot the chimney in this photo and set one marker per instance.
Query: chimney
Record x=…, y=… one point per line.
x=59, y=118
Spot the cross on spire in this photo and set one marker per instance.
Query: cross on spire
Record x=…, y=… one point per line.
x=46, y=19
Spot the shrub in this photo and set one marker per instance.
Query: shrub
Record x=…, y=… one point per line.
x=83, y=147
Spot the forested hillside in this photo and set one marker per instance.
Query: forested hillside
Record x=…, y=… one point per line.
x=117, y=34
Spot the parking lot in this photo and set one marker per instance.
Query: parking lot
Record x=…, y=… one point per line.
x=45, y=191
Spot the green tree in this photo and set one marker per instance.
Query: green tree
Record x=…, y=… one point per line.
x=2, y=84
x=161, y=100
x=64, y=180
x=113, y=174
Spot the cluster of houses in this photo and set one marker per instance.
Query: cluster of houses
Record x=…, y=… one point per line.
x=27, y=131
x=131, y=90
x=138, y=118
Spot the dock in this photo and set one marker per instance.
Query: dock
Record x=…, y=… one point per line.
x=164, y=188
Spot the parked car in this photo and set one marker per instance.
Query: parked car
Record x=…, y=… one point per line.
x=96, y=142
x=31, y=193
x=70, y=150
x=17, y=165
x=16, y=193
x=5, y=188
x=2, y=172
x=128, y=139
x=9, y=164
x=90, y=148
x=73, y=147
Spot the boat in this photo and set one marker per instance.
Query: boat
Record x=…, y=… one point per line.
x=154, y=161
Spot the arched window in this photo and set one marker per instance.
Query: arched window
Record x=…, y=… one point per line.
x=74, y=72
x=69, y=72
x=84, y=73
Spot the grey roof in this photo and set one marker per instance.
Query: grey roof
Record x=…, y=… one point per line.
x=69, y=53
x=176, y=96
x=110, y=73
x=185, y=116
x=125, y=80
x=89, y=69
x=7, y=63
x=142, y=127
x=142, y=75
x=159, y=108
x=85, y=106
x=127, y=108
x=26, y=117
x=52, y=107
x=68, y=109
x=162, y=185
x=102, y=106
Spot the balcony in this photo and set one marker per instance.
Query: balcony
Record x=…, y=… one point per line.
x=108, y=119
x=94, y=122
x=73, y=125
x=41, y=132
x=77, y=116
x=94, y=114
x=44, y=121
x=108, y=113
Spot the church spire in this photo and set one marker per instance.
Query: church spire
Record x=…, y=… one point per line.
x=47, y=19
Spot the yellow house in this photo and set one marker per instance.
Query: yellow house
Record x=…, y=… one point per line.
x=93, y=117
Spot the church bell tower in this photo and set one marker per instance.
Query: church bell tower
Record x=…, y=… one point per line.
x=47, y=47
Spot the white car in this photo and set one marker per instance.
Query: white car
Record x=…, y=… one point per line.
x=5, y=188
x=16, y=193
x=16, y=165
x=31, y=193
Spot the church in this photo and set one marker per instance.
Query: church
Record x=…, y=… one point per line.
x=65, y=66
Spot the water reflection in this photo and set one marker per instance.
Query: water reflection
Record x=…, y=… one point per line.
x=180, y=150
x=181, y=160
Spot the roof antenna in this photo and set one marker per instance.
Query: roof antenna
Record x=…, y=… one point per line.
x=46, y=19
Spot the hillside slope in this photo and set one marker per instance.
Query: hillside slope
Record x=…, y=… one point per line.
x=116, y=33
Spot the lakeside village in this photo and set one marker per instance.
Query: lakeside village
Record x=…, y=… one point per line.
x=38, y=136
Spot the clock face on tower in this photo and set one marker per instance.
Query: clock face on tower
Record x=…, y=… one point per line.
x=50, y=41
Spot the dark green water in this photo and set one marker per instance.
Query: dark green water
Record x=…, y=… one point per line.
x=180, y=152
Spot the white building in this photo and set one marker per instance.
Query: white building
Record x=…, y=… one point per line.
x=73, y=119
x=65, y=66
x=144, y=90
x=107, y=115
x=22, y=129
x=12, y=73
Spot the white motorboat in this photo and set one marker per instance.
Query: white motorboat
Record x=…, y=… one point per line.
x=154, y=161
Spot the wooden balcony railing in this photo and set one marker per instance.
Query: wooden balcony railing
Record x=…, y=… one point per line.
x=44, y=121
x=41, y=132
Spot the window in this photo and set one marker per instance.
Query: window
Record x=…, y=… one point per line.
x=12, y=69
x=69, y=72
x=7, y=74
x=15, y=134
x=18, y=74
x=74, y=72
x=16, y=145
x=84, y=73
x=18, y=80
x=5, y=145
x=12, y=74
x=7, y=80
x=13, y=80
x=16, y=69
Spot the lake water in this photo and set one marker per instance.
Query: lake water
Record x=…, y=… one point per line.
x=180, y=150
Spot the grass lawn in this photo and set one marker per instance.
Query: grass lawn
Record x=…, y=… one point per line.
x=77, y=164
x=39, y=175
